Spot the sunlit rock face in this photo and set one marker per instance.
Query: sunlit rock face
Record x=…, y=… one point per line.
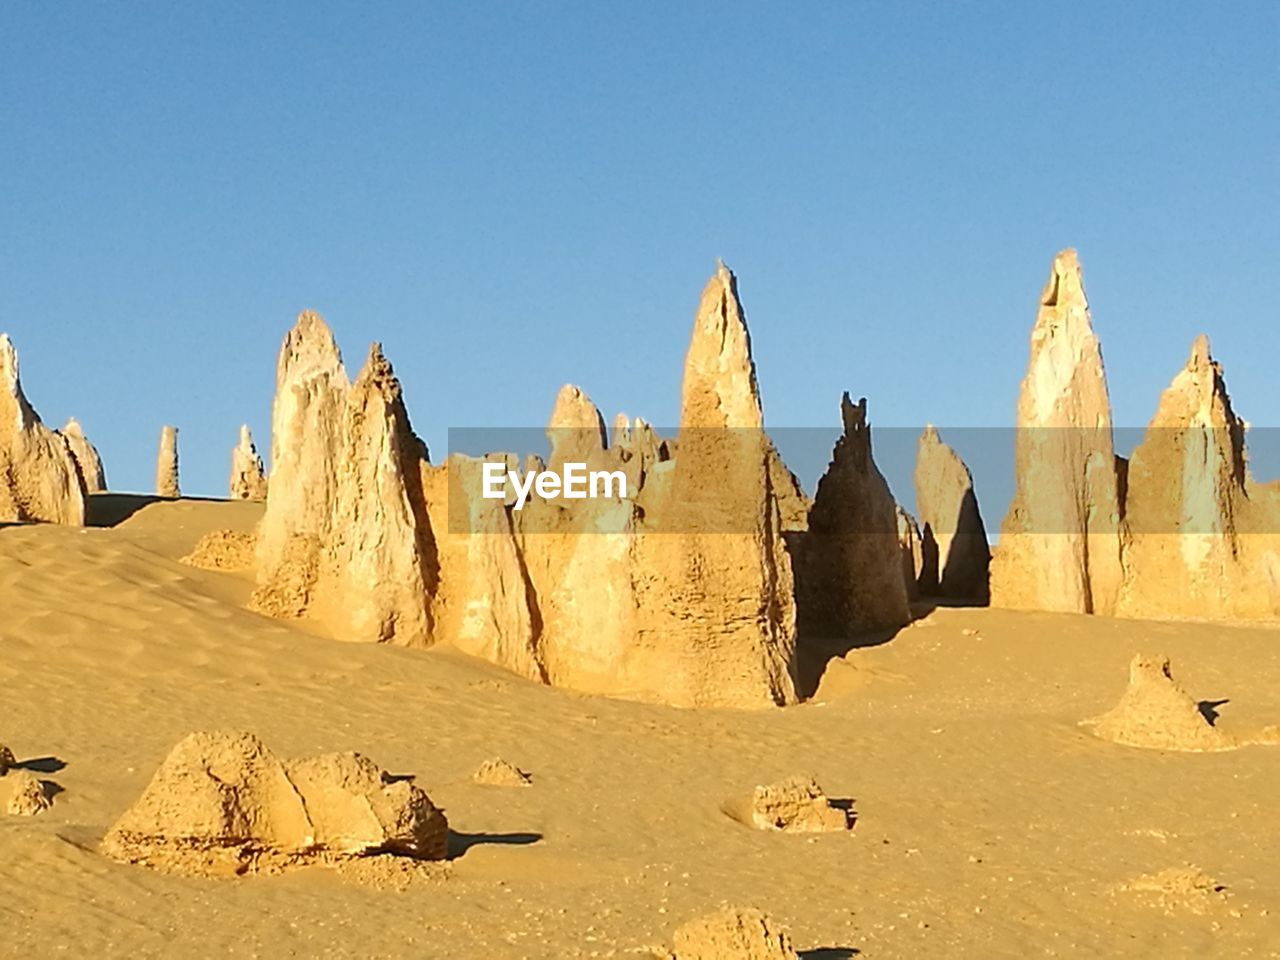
x=954, y=546
x=39, y=479
x=1200, y=537
x=92, y=475
x=1060, y=542
x=247, y=480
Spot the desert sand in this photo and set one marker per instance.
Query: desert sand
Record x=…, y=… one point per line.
x=987, y=820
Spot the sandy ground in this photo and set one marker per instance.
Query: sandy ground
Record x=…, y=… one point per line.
x=988, y=822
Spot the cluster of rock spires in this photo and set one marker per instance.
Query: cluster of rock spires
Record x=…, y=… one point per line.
x=700, y=585
x=1181, y=530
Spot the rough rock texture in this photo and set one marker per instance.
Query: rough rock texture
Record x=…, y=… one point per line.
x=247, y=480
x=28, y=794
x=911, y=547
x=850, y=575
x=1155, y=712
x=796, y=805
x=222, y=801
x=499, y=773
x=732, y=934
x=576, y=429
x=955, y=553
x=167, y=464
x=1200, y=539
x=344, y=537
x=1060, y=542
x=92, y=475
x=717, y=613
x=39, y=479
x=7, y=761
x=223, y=550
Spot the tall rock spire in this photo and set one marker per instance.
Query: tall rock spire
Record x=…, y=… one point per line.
x=954, y=548
x=39, y=479
x=93, y=476
x=247, y=480
x=1059, y=543
x=1189, y=509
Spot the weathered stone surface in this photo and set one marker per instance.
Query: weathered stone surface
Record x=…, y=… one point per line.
x=796, y=805
x=499, y=773
x=223, y=550
x=850, y=572
x=7, y=761
x=247, y=480
x=1200, y=540
x=28, y=794
x=911, y=549
x=223, y=801
x=39, y=479
x=576, y=429
x=716, y=624
x=1155, y=712
x=732, y=934
x=85, y=454
x=167, y=484
x=955, y=553
x=1059, y=543
x=345, y=536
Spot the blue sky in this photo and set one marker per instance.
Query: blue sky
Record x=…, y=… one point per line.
x=512, y=196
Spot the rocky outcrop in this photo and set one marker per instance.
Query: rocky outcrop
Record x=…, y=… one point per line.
x=223, y=802
x=849, y=575
x=716, y=624
x=248, y=481
x=1060, y=542
x=167, y=464
x=1156, y=713
x=955, y=553
x=92, y=476
x=500, y=773
x=28, y=794
x=39, y=479
x=911, y=549
x=345, y=535
x=796, y=805
x=1200, y=538
x=223, y=550
x=732, y=934
x=576, y=429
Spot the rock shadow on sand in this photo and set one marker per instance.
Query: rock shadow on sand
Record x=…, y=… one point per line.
x=460, y=843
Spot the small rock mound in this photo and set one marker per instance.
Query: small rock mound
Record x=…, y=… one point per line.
x=796, y=805
x=222, y=802
x=29, y=795
x=732, y=934
x=1175, y=888
x=223, y=550
x=6, y=760
x=499, y=773
x=1156, y=713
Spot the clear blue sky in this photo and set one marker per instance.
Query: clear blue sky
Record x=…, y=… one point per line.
x=512, y=196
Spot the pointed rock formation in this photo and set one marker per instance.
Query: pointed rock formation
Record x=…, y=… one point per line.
x=1059, y=543
x=850, y=576
x=167, y=464
x=85, y=454
x=1197, y=543
x=39, y=479
x=1155, y=712
x=912, y=551
x=576, y=429
x=955, y=551
x=345, y=535
x=248, y=480
x=717, y=623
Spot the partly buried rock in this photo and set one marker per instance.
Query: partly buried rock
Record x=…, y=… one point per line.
x=28, y=794
x=7, y=760
x=222, y=801
x=1158, y=714
x=732, y=934
x=499, y=773
x=796, y=805
x=223, y=550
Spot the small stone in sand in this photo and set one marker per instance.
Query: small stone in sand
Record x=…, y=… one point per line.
x=732, y=934
x=499, y=773
x=29, y=795
x=6, y=760
x=796, y=805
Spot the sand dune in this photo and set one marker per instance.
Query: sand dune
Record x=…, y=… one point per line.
x=988, y=822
